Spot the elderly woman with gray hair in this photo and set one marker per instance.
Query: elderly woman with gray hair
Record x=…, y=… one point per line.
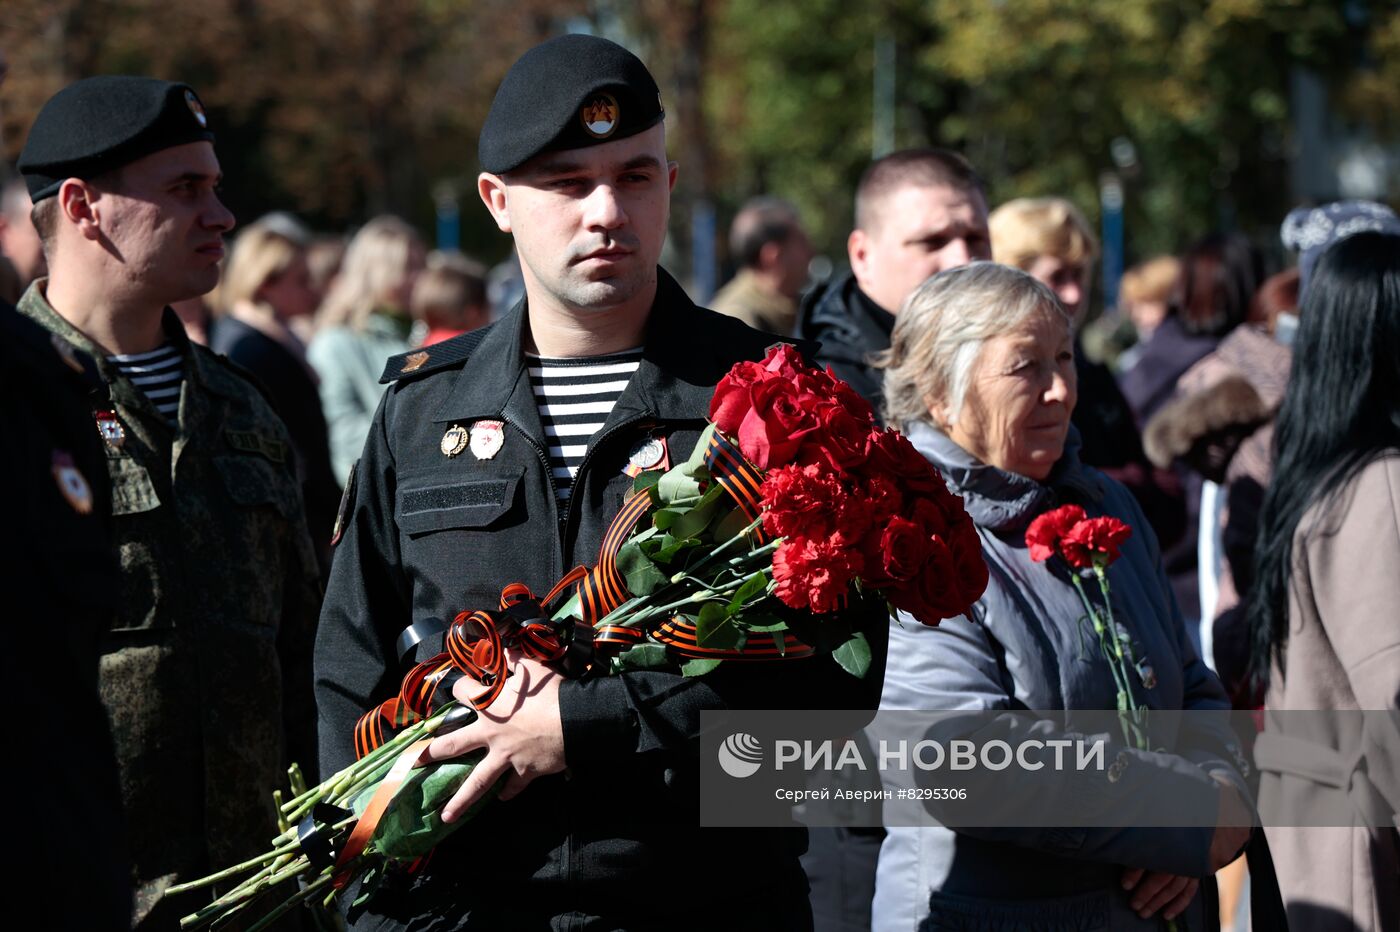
x=980, y=376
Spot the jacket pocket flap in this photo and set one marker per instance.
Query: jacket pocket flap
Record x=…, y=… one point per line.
x=438, y=503
x=251, y=480
x=132, y=489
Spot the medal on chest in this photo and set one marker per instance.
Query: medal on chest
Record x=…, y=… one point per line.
x=110, y=428
x=487, y=438
x=649, y=453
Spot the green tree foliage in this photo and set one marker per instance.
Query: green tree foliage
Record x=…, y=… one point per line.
x=1036, y=91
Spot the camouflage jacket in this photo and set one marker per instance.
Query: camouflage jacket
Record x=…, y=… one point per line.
x=205, y=672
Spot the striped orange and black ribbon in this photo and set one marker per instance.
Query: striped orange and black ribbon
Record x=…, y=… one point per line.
x=680, y=636
x=744, y=484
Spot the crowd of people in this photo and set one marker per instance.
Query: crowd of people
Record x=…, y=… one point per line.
x=269, y=513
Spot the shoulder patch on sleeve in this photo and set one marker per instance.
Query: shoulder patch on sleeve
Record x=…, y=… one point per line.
x=347, y=502
x=428, y=359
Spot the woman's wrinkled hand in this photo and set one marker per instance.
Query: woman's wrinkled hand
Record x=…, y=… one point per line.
x=1153, y=891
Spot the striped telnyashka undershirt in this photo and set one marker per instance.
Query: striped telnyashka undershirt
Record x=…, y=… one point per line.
x=575, y=397
x=158, y=374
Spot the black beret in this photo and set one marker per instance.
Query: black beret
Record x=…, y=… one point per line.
x=568, y=93
x=98, y=124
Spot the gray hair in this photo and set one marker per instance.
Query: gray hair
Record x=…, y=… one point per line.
x=941, y=328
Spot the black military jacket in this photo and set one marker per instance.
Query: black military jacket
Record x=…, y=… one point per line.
x=613, y=842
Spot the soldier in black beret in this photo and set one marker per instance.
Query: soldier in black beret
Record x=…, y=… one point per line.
x=205, y=669
x=501, y=456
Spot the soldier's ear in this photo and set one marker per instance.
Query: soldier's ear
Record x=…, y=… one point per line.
x=492, y=189
x=77, y=206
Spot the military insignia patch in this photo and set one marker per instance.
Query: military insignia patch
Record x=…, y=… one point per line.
x=415, y=361
x=600, y=115
x=487, y=439
x=71, y=483
x=454, y=441
x=110, y=428
x=196, y=108
x=347, y=499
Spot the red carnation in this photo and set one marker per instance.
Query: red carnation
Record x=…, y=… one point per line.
x=1044, y=534
x=815, y=574
x=1094, y=541
x=802, y=500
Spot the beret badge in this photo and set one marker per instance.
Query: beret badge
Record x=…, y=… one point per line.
x=600, y=115
x=196, y=108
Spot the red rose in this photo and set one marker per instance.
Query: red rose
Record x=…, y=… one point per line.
x=815, y=574
x=1043, y=535
x=841, y=439
x=934, y=592
x=785, y=361
x=896, y=554
x=891, y=451
x=732, y=399
x=880, y=497
x=775, y=426
x=802, y=500
x=1094, y=541
x=849, y=399
x=967, y=556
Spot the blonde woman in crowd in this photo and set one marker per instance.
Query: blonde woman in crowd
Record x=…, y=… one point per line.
x=266, y=287
x=363, y=321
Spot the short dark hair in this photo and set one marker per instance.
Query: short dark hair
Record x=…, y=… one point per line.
x=44, y=214
x=762, y=220
x=928, y=167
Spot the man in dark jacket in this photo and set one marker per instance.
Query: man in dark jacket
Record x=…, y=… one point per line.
x=60, y=572
x=205, y=669
x=501, y=456
x=918, y=212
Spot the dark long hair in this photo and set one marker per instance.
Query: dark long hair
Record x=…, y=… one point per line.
x=1219, y=275
x=1341, y=407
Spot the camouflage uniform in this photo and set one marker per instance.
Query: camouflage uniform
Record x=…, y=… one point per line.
x=205, y=672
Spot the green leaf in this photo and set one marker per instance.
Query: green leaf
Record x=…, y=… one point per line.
x=675, y=487
x=642, y=657
x=636, y=567
x=713, y=627
x=412, y=824
x=695, y=465
x=854, y=655
x=647, y=481
x=699, y=667
x=752, y=586
x=760, y=622
x=730, y=525
x=663, y=519
x=694, y=521
x=671, y=546
x=573, y=608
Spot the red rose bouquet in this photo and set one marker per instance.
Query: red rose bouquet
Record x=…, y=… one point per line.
x=795, y=518
x=1088, y=546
